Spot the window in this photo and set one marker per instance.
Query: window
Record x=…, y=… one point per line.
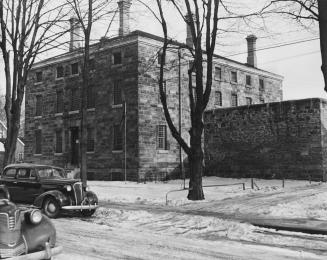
x=261, y=84
x=164, y=86
x=233, y=76
x=38, y=141
x=248, y=101
x=90, y=101
x=58, y=141
x=262, y=101
x=60, y=101
x=248, y=80
x=23, y=174
x=160, y=58
x=39, y=76
x=38, y=105
x=117, y=93
x=162, y=137
x=234, y=100
x=116, y=58
x=60, y=71
x=118, y=138
x=217, y=73
x=90, y=139
x=218, y=98
x=75, y=100
x=21, y=157
x=74, y=68
x=10, y=173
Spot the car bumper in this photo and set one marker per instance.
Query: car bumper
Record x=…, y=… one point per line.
x=80, y=207
x=45, y=254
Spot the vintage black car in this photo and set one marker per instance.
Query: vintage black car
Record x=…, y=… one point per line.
x=25, y=231
x=47, y=188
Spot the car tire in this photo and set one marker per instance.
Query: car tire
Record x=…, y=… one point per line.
x=87, y=213
x=51, y=207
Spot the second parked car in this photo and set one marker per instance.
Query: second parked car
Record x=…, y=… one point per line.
x=46, y=187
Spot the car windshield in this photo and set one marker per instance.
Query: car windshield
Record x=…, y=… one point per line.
x=51, y=173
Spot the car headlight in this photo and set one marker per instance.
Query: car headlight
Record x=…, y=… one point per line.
x=87, y=188
x=68, y=187
x=35, y=216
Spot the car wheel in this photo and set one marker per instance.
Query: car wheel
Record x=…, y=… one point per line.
x=51, y=207
x=88, y=213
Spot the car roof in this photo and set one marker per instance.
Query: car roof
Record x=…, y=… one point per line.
x=30, y=165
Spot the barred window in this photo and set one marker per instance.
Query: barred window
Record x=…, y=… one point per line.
x=218, y=99
x=248, y=80
x=116, y=58
x=60, y=101
x=60, y=71
x=74, y=68
x=58, y=141
x=234, y=100
x=75, y=99
x=261, y=84
x=90, y=97
x=162, y=137
x=217, y=73
x=38, y=141
x=38, y=105
x=118, y=138
x=248, y=101
x=233, y=76
x=117, y=93
x=39, y=76
x=90, y=139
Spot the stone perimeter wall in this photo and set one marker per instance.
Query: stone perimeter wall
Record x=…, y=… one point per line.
x=277, y=140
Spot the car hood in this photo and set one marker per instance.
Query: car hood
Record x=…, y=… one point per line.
x=59, y=181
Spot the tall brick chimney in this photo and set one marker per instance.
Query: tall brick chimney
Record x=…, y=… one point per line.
x=124, y=6
x=252, y=56
x=189, y=39
x=75, y=34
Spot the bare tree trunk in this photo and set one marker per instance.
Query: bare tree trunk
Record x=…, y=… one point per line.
x=322, y=8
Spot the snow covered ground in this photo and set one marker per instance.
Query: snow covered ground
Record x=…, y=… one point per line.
x=138, y=212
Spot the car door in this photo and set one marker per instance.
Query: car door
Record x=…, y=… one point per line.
x=8, y=178
x=28, y=187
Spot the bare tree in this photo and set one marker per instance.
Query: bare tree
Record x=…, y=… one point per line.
x=306, y=11
x=87, y=12
x=28, y=28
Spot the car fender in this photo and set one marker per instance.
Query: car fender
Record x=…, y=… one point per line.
x=61, y=198
x=91, y=197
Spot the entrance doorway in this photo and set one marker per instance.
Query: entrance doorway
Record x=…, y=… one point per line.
x=74, y=144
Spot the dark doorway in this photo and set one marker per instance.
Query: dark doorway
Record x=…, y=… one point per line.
x=74, y=133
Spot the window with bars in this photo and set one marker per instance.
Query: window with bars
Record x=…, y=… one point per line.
x=248, y=80
x=75, y=99
x=38, y=141
x=74, y=68
x=234, y=102
x=218, y=98
x=117, y=93
x=38, y=105
x=117, y=57
x=39, y=76
x=162, y=137
x=90, y=139
x=217, y=73
x=261, y=84
x=58, y=141
x=60, y=72
x=118, y=138
x=60, y=101
x=233, y=76
x=90, y=101
x=248, y=101
x=164, y=86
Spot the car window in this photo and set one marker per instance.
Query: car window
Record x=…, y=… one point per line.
x=50, y=173
x=23, y=174
x=10, y=173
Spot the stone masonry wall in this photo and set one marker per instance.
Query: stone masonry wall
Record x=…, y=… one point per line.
x=277, y=140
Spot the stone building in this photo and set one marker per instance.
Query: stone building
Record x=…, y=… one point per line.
x=278, y=140
x=125, y=71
